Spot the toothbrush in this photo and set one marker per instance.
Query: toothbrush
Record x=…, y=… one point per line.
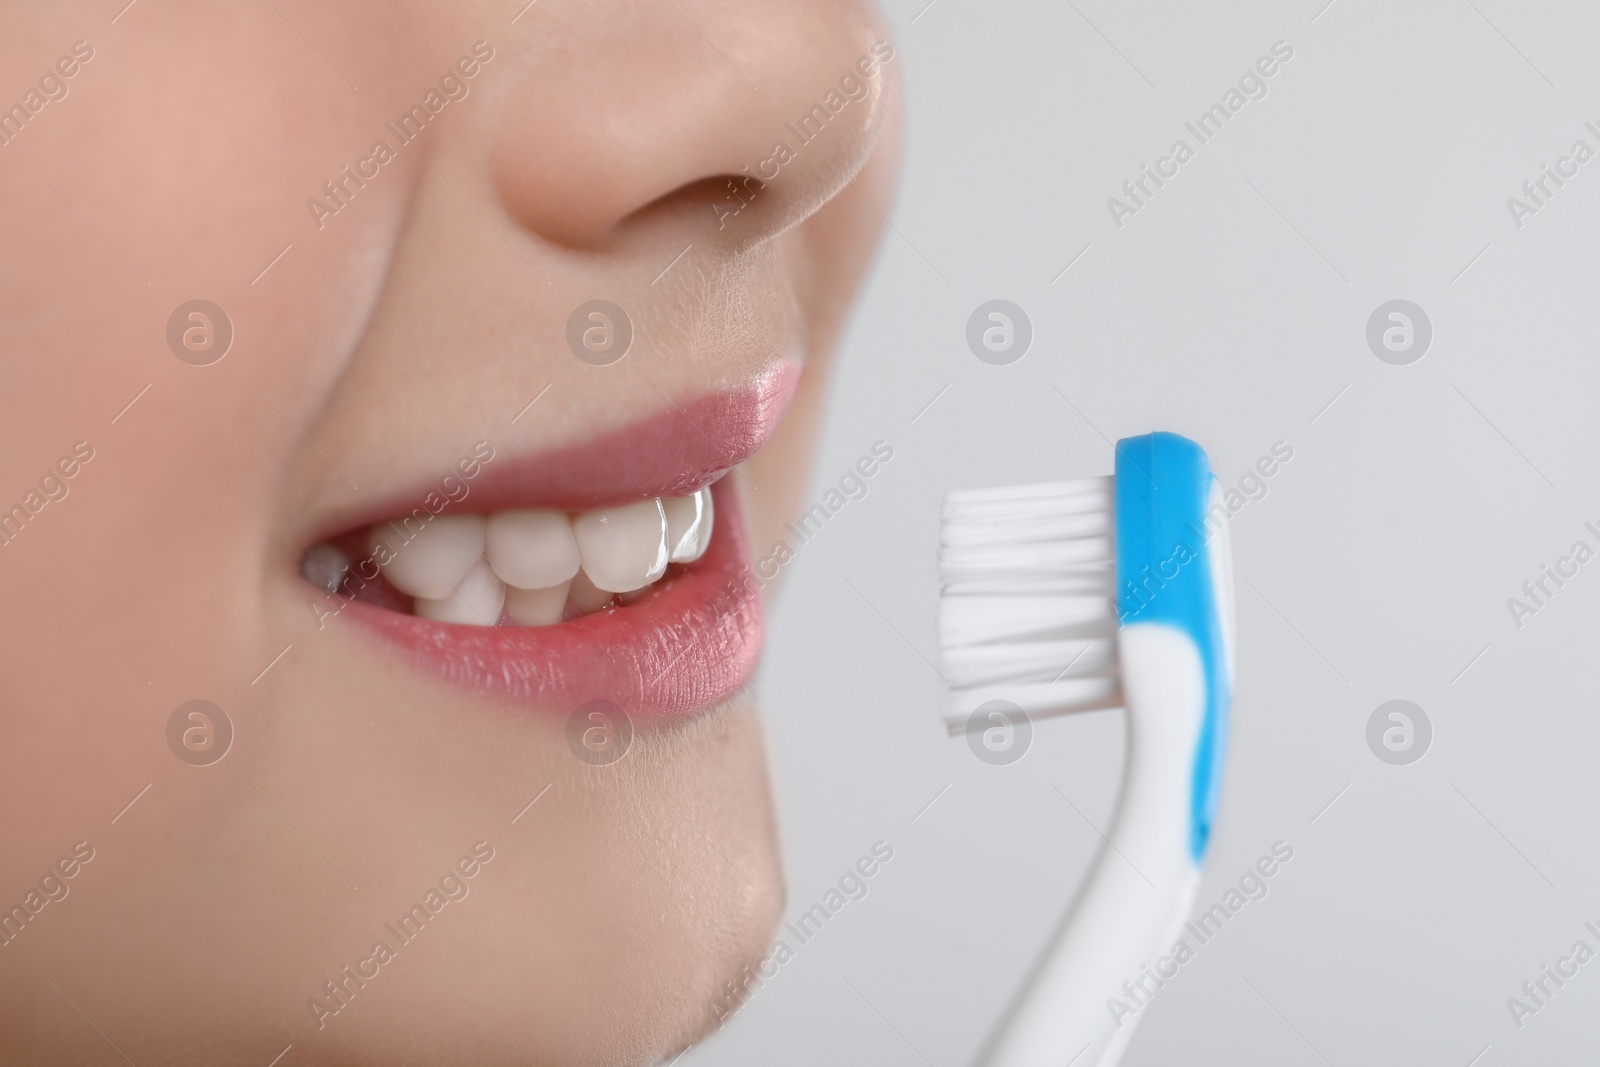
x=1075, y=596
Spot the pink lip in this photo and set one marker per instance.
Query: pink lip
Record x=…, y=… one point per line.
x=670, y=454
x=690, y=642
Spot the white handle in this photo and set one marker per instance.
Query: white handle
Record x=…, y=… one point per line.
x=1141, y=886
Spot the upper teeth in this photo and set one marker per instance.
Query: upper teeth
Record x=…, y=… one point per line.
x=531, y=549
x=526, y=564
x=624, y=548
x=688, y=525
x=429, y=562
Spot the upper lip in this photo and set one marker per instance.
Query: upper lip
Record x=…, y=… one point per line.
x=683, y=447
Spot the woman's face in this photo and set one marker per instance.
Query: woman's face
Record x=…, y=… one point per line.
x=482, y=282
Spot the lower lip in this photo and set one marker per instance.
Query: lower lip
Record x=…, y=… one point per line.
x=690, y=643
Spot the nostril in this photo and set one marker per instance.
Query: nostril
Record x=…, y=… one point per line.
x=735, y=193
x=712, y=205
x=736, y=208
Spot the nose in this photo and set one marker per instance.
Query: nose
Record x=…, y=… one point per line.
x=754, y=115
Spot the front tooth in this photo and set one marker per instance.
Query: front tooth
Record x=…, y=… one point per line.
x=435, y=560
x=537, y=607
x=477, y=600
x=532, y=549
x=689, y=525
x=623, y=548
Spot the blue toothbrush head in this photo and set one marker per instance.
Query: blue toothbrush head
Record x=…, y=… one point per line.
x=1174, y=568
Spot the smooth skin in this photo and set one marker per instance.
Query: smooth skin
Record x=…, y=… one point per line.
x=383, y=343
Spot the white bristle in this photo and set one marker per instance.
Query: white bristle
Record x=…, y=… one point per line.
x=1027, y=611
x=1103, y=486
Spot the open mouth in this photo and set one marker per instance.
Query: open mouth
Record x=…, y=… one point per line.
x=523, y=567
x=554, y=589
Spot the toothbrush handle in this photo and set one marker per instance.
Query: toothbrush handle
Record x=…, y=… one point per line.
x=1141, y=886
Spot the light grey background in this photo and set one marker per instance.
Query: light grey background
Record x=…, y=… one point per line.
x=1233, y=309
